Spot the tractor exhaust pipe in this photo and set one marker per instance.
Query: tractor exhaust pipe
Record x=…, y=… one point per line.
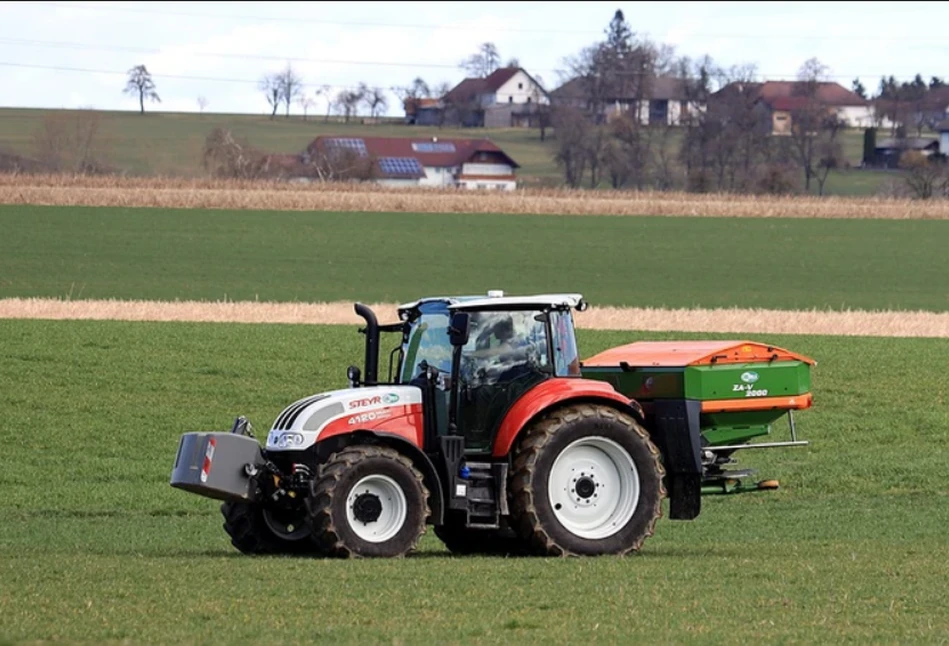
x=372, y=343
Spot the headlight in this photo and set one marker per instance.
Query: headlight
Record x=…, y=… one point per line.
x=286, y=440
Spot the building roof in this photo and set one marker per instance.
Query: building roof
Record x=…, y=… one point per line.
x=909, y=143
x=781, y=94
x=471, y=88
x=663, y=88
x=392, y=155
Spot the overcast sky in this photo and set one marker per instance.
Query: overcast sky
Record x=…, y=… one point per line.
x=77, y=54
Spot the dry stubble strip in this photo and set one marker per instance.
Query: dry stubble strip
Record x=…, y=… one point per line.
x=722, y=320
x=65, y=190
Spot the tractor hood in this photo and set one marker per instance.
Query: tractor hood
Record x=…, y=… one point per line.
x=299, y=426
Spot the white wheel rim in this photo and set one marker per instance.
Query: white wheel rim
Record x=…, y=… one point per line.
x=608, y=484
x=394, y=508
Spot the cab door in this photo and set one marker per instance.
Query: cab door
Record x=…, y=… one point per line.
x=507, y=354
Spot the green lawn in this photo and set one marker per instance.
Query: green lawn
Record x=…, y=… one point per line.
x=85, y=252
x=163, y=143
x=95, y=546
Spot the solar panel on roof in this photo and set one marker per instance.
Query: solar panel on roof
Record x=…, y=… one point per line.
x=348, y=143
x=433, y=147
x=400, y=166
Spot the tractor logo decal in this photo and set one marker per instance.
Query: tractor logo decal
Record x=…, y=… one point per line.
x=749, y=377
x=365, y=401
x=390, y=398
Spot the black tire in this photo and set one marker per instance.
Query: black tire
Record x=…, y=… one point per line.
x=490, y=542
x=335, y=482
x=533, y=514
x=251, y=533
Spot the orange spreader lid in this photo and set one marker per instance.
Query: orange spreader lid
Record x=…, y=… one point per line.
x=692, y=353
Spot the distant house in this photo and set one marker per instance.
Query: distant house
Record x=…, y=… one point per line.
x=888, y=151
x=404, y=161
x=423, y=111
x=780, y=99
x=507, y=98
x=668, y=101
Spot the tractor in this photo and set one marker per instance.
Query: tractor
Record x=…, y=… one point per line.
x=490, y=428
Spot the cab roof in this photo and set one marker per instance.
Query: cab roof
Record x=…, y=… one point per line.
x=500, y=301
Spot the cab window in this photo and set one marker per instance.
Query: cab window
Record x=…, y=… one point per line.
x=566, y=355
x=503, y=346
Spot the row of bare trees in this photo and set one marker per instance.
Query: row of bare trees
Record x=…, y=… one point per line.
x=287, y=87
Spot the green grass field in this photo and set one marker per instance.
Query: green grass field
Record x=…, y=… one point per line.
x=170, y=144
x=636, y=261
x=95, y=546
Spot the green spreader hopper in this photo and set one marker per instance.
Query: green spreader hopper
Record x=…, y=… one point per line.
x=727, y=392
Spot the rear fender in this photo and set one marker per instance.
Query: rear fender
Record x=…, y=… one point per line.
x=404, y=446
x=551, y=394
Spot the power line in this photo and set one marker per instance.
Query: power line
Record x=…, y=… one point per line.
x=317, y=21
x=757, y=36
x=144, y=50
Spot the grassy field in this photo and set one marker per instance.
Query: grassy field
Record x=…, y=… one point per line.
x=95, y=546
x=377, y=257
x=161, y=143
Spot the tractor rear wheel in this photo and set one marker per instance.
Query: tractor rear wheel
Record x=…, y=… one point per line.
x=368, y=501
x=256, y=530
x=587, y=481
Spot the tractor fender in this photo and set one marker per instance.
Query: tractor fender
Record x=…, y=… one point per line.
x=398, y=442
x=554, y=393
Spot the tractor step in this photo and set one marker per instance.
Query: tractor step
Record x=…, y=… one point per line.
x=487, y=494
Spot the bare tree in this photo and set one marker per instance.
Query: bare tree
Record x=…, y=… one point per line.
x=290, y=87
x=225, y=156
x=925, y=177
x=202, y=102
x=340, y=165
x=417, y=89
x=541, y=107
x=814, y=126
x=513, y=62
x=140, y=82
x=324, y=91
x=483, y=62
x=305, y=103
x=375, y=99
x=572, y=130
x=271, y=87
x=69, y=142
x=348, y=101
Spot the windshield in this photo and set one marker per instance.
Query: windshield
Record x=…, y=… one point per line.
x=428, y=342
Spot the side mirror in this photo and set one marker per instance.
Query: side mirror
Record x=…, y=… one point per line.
x=459, y=328
x=352, y=373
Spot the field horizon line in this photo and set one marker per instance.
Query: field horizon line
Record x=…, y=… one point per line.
x=738, y=320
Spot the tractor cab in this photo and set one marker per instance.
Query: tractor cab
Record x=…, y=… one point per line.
x=480, y=355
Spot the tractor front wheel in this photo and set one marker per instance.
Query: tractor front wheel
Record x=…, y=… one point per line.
x=256, y=530
x=368, y=501
x=587, y=481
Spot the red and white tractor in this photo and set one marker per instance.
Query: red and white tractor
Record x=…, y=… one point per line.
x=484, y=428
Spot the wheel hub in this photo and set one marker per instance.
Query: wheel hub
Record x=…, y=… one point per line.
x=585, y=486
x=367, y=508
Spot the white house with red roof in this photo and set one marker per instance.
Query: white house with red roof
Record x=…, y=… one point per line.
x=421, y=161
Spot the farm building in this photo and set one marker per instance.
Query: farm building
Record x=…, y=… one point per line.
x=404, y=161
x=780, y=99
x=669, y=101
x=506, y=98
